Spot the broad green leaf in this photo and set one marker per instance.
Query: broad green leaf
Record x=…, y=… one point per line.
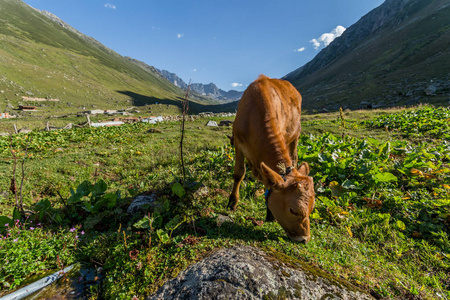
x=385, y=151
x=178, y=189
x=350, y=185
x=144, y=223
x=88, y=207
x=336, y=189
x=84, y=188
x=385, y=177
x=175, y=222
x=16, y=214
x=326, y=201
x=110, y=200
x=99, y=188
x=163, y=236
x=157, y=219
x=401, y=225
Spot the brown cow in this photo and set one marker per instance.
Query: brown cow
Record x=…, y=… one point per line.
x=266, y=133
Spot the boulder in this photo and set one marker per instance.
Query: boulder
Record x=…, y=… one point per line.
x=430, y=90
x=244, y=272
x=141, y=202
x=212, y=124
x=226, y=123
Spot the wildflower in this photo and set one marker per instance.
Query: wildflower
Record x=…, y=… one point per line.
x=76, y=237
x=73, y=229
x=7, y=225
x=31, y=228
x=15, y=240
x=82, y=232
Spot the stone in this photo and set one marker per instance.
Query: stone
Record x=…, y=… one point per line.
x=244, y=272
x=223, y=219
x=212, y=124
x=4, y=195
x=225, y=123
x=141, y=202
x=430, y=90
x=24, y=130
x=202, y=192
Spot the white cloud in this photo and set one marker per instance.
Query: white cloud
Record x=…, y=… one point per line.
x=326, y=38
x=300, y=49
x=110, y=5
x=179, y=35
x=235, y=84
x=194, y=70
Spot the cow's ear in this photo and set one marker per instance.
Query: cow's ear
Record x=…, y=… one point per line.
x=274, y=179
x=303, y=169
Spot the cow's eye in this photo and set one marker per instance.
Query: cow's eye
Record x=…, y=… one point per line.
x=293, y=212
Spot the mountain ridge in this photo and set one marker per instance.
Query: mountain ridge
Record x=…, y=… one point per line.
x=388, y=58
x=209, y=89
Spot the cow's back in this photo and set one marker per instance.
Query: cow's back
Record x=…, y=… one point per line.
x=267, y=121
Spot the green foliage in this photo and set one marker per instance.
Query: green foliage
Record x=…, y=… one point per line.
x=26, y=250
x=381, y=217
x=427, y=120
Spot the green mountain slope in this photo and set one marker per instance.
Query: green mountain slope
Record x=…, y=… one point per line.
x=388, y=58
x=42, y=57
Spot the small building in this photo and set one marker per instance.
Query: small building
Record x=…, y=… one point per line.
x=27, y=107
x=4, y=116
x=110, y=111
x=96, y=112
x=153, y=120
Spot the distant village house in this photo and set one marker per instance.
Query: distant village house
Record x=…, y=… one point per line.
x=4, y=116
x=27, y=107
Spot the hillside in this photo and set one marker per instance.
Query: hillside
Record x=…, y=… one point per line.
x=43, y=57
x=388, y=58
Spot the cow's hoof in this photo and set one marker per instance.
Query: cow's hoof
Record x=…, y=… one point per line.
x=232, y=203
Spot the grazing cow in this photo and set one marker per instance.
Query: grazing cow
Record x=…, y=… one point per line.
x=266, y=132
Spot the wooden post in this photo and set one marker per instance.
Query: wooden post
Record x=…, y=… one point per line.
x=88, y=120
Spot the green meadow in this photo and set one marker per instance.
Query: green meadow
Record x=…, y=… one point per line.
x=381, y=222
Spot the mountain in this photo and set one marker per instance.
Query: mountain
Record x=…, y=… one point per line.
x=208, y=90
x=397, y=54
x=43, y=57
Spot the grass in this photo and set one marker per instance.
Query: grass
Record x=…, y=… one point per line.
x=39, y=58
x=381, y=220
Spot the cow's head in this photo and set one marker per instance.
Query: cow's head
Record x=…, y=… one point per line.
x=291, y=200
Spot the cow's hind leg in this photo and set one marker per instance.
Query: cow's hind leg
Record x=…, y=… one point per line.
x=239, y=172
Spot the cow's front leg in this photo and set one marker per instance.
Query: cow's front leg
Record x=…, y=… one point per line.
x=239, y=172
x=269, y=216
x=293, y=152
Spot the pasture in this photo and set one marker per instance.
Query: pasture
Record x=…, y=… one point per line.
x=381, y=222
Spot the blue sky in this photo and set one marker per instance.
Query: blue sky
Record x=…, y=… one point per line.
x=227, y=42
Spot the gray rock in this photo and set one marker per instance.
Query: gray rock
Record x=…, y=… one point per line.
x=430, y=90
x=244, y=272
x=223, y=219
x=226, y=123
x=212, y=123
x=24, y=130
x=140, y=201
